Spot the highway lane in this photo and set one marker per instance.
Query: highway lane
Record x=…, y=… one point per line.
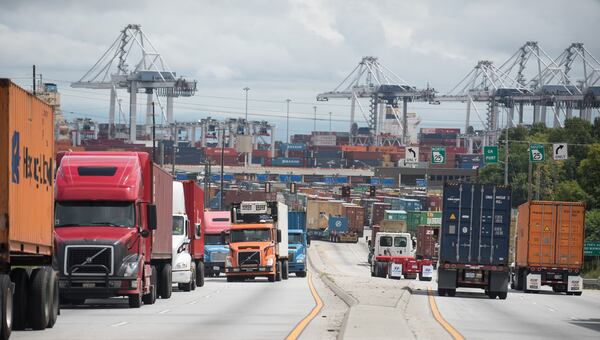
x=219, y=310
x=525, y=316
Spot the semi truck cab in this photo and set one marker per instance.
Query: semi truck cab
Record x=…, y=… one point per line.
x=297, y=244
x=183, y=267
x=216, y=237
x=393, y=256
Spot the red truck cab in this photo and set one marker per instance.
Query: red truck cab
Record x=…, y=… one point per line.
x=113, y=227
x=194, y=208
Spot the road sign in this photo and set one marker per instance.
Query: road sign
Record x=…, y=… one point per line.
x=490, y=154
x=559, y=151
x=536, y=153
x=438, y=155
x=591, y=248
x=412, y=154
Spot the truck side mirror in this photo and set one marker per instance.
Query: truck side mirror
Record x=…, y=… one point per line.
x=308, y=240
x=369, y=243
x=144, y=233
x=278, y=235
x=151, y=215
x=223, y=240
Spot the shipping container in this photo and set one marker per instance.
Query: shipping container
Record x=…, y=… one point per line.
x=549, y=246
x=162, y=197
x=434, y=203
x=287, y=162
x=296, y=220
x=427, y=242
x=395, y=215
x=318, y=210
x=390, y=226
x=474, y=239
x=356, y=218
x=378, y=212
x=326, y=140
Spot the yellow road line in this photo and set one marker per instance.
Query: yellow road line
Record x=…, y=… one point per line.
x=295, y=333
x=438, y=317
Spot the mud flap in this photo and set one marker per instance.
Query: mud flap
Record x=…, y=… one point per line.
x=498, y=282
x=446, y=278
x=533, y=281
x=395, y=270
x=427, y=271
x=574, y=284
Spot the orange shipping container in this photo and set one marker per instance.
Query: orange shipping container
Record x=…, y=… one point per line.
x=26, y=171
x=550, y=234
x=347, y=148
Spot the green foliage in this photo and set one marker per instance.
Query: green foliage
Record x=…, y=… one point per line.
x=571, y=191
x=592, y=225
x=589, y=171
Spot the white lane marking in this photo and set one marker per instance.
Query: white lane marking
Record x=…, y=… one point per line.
x=119, y=324
x=206, y=296
x=193, y=302
x=164, y=311
x=552, y=310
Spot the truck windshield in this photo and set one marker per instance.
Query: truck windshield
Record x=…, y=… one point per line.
x=251, y=235
x=178, y=225
x=400, y=241
x=385, y=241
x=92, y=213
x=295, y=238
x=213, y=239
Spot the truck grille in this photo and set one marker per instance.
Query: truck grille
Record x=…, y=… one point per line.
x=217, y=257
x=291, y=255
x=86, y=255
x=249, y=258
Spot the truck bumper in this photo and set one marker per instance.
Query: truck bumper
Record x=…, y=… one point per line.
x=96, y=287
x=214, y=267
x=249, y=271
x=182, y=276
x=294, y=267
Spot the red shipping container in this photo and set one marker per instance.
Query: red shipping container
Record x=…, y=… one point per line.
x=194, y=209
x=217, y=151
x=434, y=203
x=378, y=213
x=363, y=155
x=356, y=218
x=162, y=197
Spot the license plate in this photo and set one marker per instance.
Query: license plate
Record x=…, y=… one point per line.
x=470, y=275
x=216, y=268
x=88, y=285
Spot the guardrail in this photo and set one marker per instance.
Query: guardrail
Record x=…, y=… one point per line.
x=591, y=283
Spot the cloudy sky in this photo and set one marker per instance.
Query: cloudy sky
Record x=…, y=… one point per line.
x=285, y=49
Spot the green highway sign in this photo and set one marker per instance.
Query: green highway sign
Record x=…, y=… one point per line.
x=438, y=155
x=490, y=154
x=536, y=153
x=591, y=248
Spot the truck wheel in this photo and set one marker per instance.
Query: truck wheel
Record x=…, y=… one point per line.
x=55, y=304
x=502, y=295
x=150, y=298
x=272, y=277
x=422, y=278
x=301, y=273
x=135, y=300
x=200, y=274
x=165, y=282
x=39, y=294
x=451, y=292
x=194, y=271
x=441, y=292
x=6, y=312
x=284, y=271
x=229, y=279
x=380, y=270
x=20, y=278
x=577, y=293
x=278, y=271
x=492, y=295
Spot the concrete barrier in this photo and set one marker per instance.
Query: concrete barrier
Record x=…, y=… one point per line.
x=591, y=283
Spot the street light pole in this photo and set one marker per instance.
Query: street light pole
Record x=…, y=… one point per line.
x=315, y=121
x=246, y=89
x=287, y=139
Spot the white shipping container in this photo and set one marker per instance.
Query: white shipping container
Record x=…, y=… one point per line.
x=324, y=140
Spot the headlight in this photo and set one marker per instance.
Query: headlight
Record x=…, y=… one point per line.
x=180, y=265
x=300, y=260
x=130, y=265
x=270, y=261
x=228, y=261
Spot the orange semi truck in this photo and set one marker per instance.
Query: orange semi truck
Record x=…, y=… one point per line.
x=549, y=247
x=258, y=242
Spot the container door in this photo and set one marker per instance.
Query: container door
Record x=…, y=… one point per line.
x=494, y=225
x=459, y=222
x=542, y=234
x=569, y=235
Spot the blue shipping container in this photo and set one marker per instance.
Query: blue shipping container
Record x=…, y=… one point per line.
x=341, y=180
x=375, y=180
x=421, y=182
x=388, y=182
x=292, y=147
x=217, y=178
x=262, y=177
x=337, y=224
x=290, y=178
x=297, y=220
x=181, y=176
x=282, y=161
x=475, y=224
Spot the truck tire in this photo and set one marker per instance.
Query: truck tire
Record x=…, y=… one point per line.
x=451, y=292
x=441, y=292
x=135, y=300
x=278, y=271
x=492, y=295
x=301, y=273
x=39, y=303
x=421, y=278
x=380, y=269
x=577, y=293
x=55, y=303
x=20, y=278
x=502, y=295
x=194, y=271
x=150, y=298
x=284, y=270
x=165, y=281
x=524, y=281
x=229, y=278
x=6, y=310
x=200, y=271
x=272, y=277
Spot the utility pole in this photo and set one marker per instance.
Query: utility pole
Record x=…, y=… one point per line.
x=315, y=121
x=330, y=122
x=287, y=139
x=529, y=175
x=153, y=134
x=246, y=89
x=506, y=152
x=33, y=90
x=173, y=149
x=222, y=157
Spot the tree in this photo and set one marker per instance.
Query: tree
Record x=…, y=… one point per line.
x=592, y=225
x=589, y=171
x=570, y=191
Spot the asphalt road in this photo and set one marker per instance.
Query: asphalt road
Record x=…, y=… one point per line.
x=219, y=310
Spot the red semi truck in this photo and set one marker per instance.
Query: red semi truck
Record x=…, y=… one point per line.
x=194, y=208
x=113, y=227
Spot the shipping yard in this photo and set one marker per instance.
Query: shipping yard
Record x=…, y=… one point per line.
x=364, y=216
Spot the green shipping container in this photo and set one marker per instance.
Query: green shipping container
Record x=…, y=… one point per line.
x=395, y=215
